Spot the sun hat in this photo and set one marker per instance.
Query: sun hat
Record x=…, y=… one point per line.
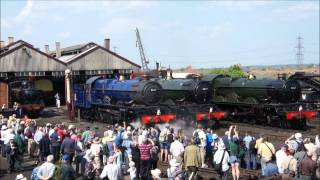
x=66, y=157
x=4, y=127
x=96, y=140
x=21, y=177
x=156, y=173
x=298, y=135
x=174, y=163
x=214, y=136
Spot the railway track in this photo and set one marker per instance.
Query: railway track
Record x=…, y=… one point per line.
x=209, y=173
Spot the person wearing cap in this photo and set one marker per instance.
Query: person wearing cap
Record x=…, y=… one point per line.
x=111, y=170
x=281, y=154
x=132, y=171
x=155, y=173
x=175, y=171
x=192, y=158
x=308, y=167
x=67, y=171
x=47, y=169
x=295, y=142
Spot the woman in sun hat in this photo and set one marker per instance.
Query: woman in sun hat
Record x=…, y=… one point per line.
x=156, y=174
x=175, y=171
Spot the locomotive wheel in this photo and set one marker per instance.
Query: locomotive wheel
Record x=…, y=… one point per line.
x=219, y=99
x=250, y=100
x=232, y=97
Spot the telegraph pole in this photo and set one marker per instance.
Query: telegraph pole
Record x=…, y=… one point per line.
x=299, y=53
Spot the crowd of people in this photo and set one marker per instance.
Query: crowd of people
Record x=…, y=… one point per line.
x=68, y=152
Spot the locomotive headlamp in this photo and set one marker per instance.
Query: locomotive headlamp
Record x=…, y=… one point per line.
x=210, y=109
x=300, y=108
x=304, y=96
x=158, y=112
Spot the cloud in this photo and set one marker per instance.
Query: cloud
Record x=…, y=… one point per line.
x=120, y=25
x=237, y=5
x=35, y=13
x=216, y=30
x=63, y=35
x=295, y=12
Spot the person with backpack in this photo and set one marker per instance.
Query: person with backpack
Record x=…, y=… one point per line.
x=251, y=151
x=289, y=166
x=295, y=142
x=221, y=161
x=163, y=144
x=299, y=156
x=209, y=147
x=234, y=152
x=267, y=152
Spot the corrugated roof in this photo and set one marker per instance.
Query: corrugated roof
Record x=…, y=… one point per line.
x=68, y=58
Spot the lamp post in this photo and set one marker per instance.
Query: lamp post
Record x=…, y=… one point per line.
x=68, y=91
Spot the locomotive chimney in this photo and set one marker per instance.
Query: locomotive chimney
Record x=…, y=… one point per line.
x=46, y=48
x=58, y=50
x=10, y=40
x=107, y=43
x=1, y=44
x=157, y=66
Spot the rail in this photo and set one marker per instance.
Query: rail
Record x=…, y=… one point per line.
x=209, y=173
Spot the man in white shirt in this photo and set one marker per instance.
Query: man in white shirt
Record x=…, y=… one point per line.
x=203, y=143
x=217, y=158
x=280, y=156
x=176, y=148
x=3, y=135
x=46, y=170
x=110, y=170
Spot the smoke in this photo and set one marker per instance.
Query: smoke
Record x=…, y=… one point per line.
x=176, y=124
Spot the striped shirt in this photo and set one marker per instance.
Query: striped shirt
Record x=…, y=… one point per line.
x=145, y=151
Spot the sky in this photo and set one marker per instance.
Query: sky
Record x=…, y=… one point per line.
x=203, y=34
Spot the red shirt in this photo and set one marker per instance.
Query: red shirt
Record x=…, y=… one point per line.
x=145, y=151
x=60, y=134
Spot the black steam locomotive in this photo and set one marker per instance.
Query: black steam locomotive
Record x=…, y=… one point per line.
x=212, y=98
x=286, y=102
x=29, y=98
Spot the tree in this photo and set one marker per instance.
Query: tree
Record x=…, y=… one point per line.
x=233, y=71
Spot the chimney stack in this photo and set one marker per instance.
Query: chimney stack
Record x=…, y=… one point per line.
x=58, y=50
x=46, y=48
x=1, y=44
x=107, y=43
x=10, y=40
